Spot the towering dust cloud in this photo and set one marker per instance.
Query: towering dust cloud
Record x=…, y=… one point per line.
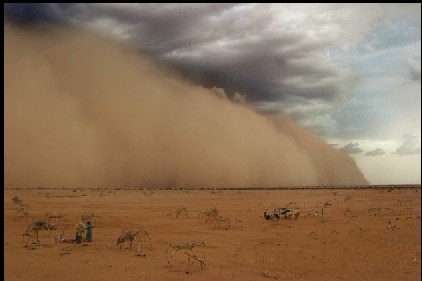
x=80, y=111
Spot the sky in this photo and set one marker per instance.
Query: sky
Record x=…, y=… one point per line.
x=350, y=73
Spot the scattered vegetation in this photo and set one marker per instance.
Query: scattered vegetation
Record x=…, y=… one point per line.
x=210, y=215
x=33, y=229
x=22, y=209
x=270, y=275
x=187, y=249
x=89, y=217
x=148, y=192
x=348, y=212
x=374, y=211
x=128, y=236
x=141, y=238
x=182, y=211
x=222, y=222
x=16, y=200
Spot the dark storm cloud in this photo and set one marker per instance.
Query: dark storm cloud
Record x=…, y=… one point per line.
x=268, y=53
x=265, y=69
x=375, y=152
x=30, y=13
x=352, y=148
x=232, y=46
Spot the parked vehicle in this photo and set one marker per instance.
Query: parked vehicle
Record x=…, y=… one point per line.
x=278, y=213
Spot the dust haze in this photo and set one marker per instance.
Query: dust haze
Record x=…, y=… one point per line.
x=83, y=111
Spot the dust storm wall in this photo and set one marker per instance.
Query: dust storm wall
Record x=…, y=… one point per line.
x=82, y=111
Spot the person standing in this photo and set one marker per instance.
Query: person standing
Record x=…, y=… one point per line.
x=80, y=229
x=89, y=232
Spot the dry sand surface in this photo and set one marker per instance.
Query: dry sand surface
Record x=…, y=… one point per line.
x=350, y=242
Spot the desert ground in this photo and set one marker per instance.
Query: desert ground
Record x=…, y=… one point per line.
x=362, y=235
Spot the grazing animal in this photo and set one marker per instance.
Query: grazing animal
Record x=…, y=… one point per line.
x=33, y=229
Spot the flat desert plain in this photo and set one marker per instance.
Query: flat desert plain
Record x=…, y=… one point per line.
x=362, y=235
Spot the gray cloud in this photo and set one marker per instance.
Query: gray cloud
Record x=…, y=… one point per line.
x=414, y=64
x=411, y=145
x=312, y=114
x=30, y=13
x=394, y=34
x=415, y=74
x=247, y=48
x=352, y=148
x=375, y=152
x=276, y=56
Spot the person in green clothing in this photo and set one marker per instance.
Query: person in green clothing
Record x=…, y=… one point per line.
x=89, y=232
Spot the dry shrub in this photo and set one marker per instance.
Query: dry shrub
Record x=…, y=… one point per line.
x=182, y=211
x=128, y=236
x=89, y=217
x=187, y=249
x=222, y=222
x=16, y=200
x=210, y=215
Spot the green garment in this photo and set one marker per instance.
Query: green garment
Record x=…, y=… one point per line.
x=89, y=233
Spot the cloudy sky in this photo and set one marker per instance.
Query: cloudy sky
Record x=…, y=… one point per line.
x=350, y=73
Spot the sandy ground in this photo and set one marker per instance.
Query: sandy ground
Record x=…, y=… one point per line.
x=347, y=243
